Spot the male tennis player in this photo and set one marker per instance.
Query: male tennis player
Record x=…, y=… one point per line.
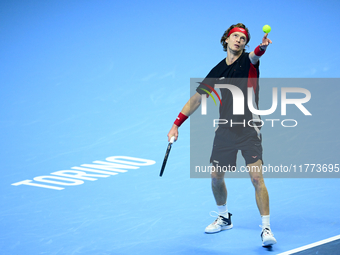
x=240, y=69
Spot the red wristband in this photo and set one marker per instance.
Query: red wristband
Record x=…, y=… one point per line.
x=180, y=119
x=258, y=52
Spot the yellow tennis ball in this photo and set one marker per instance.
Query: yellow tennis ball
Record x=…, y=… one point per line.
x=266, y=28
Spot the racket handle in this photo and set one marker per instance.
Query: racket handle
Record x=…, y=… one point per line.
x=172, y=139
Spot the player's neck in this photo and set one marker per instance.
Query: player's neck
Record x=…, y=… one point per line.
x=232, y=56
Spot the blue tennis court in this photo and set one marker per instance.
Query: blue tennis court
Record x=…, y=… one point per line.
x=89, y=93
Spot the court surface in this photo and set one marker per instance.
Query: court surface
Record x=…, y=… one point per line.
x=83, y=136
x=135, y=211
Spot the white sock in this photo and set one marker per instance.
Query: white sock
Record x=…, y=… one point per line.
x=265, y=221
x=223, y=210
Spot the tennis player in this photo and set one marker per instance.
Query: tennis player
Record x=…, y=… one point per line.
x=240, y=69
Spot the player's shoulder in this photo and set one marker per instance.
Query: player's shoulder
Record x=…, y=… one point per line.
x=216, y=70
x=245, y=55
x=221, y=65
x=244, y=58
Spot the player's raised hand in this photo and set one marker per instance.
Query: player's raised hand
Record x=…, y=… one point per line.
x=265, y=42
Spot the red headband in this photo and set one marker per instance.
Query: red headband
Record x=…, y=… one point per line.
x=239, y=29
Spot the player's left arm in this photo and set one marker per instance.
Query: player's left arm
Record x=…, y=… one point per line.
x=255, y=55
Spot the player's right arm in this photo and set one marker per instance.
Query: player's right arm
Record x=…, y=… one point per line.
x=255, y=55
x=189, y=108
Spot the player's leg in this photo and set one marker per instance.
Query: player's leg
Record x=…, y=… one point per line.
x=261, y=192
x=251, y=147
x=219, y=189
x=262, y=201
x=218, y=186
x=222, y=155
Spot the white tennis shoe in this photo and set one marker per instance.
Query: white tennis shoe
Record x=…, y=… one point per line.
x=267, y=237
x=221, y=223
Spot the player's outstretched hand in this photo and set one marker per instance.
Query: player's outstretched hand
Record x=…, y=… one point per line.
x=265, y=41
x=173, y=132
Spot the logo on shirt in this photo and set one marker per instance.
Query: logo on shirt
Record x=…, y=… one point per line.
x=208, y=92
x=204, y=97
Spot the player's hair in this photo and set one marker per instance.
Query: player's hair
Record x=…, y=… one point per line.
x=225, y=35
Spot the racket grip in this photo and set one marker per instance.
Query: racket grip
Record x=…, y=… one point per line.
x=172, y=139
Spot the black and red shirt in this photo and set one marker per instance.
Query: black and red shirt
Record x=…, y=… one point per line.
x=243, y=74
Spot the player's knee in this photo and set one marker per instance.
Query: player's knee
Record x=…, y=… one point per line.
x=216, y=180
x=257, y=181
x=216, y=175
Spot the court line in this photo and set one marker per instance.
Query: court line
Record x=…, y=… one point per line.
x=311, y=245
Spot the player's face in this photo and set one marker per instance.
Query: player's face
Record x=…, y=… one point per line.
x=236, y=41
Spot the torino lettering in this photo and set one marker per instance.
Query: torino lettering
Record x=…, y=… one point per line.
x=238, y=100
x=86, y=172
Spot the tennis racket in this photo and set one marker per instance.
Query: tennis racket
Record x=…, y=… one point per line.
x=172, y=139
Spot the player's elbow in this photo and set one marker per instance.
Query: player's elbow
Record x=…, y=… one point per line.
x=253, y=58
x=197, y=99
